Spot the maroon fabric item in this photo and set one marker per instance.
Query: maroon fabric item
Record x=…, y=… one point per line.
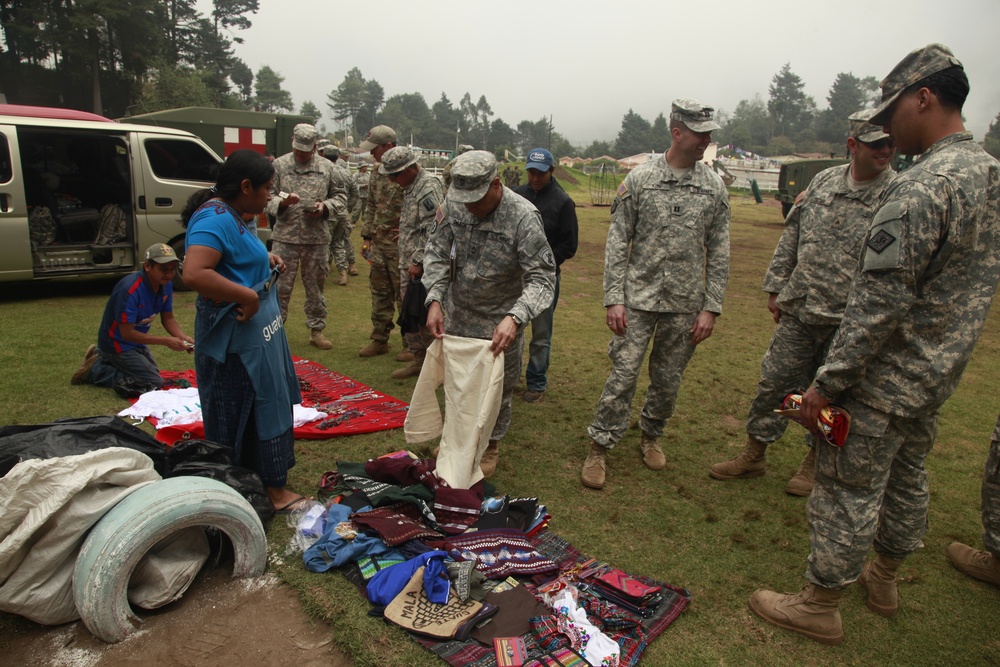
x=393, y=526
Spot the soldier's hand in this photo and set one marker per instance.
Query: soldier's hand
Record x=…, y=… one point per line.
x=290, y=200
x=503, y=335
x=316, y=210
x=703, y=326
x=616, y=319
x=772, y=306
x=435, y=319
x=812, y=405
x=416, y=270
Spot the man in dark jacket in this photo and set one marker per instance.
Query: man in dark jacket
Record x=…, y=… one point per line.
x=559, y=219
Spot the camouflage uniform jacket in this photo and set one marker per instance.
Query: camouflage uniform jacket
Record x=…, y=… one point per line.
x=416, y=219
x=927, y=277
x=668, y=246
x=503, y=264
x=312, y=182
x=816, y=259
x=361, y=180
x=381, y=217
x=343, y=176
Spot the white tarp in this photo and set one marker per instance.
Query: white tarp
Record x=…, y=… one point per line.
x=47, y=506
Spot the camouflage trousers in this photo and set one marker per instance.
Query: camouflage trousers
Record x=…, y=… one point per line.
x=796, y=351
x=511, y=376
x=991, y=496
x=384, y=284
x=313, y=263
x=672, y=350
x=417, y=342
x=341, y=248
x=872, y=492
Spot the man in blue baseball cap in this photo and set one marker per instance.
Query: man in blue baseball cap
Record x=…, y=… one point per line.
x=559, y=220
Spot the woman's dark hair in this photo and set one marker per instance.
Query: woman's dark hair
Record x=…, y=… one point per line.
x=239, y=166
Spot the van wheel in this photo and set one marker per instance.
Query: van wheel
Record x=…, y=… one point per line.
x=179, y=285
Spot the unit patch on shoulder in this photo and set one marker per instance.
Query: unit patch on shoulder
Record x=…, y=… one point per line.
x=880, y=241
x=429, y=203
x=439, y=216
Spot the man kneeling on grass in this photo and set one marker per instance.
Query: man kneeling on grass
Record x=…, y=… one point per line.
x=121, y=357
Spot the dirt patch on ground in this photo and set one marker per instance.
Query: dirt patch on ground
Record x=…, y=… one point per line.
x=220, y=622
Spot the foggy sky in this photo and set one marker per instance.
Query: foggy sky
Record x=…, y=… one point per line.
x=587, y=63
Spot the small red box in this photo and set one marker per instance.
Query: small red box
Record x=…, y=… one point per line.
x=511, y=651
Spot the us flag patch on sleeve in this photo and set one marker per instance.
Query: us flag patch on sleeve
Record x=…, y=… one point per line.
x=439, y=216
x=622, y=189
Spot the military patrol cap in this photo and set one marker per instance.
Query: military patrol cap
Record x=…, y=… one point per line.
x=694, y=114
x=322, y=143
x=331, y=151
x=161, y=253
x=917, y=65
x=378, y=135
x=472, y=174
x=304, y=137
x=397, y=159
x=540, y=159
x=864, y=131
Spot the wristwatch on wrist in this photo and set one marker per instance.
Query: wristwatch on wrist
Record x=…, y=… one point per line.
x=514, y=317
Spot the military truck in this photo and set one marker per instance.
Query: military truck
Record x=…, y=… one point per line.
x=227, y=130
x=796, y=175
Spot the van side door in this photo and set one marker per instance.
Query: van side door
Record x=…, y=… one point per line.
x=169, y=169
x=15, y=238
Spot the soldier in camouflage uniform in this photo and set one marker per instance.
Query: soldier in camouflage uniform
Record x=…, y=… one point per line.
x=665, y=270
x=423, y=192
x=361, y=180
x=301, y=233
x=985, y=565
x=340, y=228
x=503, y=273
x=808, y=281
x=928, y=273
x=446, y=172
x=380, y=234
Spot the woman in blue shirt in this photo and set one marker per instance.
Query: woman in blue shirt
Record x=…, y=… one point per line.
x=246, y=380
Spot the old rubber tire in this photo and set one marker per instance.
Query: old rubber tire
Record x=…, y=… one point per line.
x=119, y=540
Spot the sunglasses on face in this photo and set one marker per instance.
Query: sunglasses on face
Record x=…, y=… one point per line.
x=880, y=144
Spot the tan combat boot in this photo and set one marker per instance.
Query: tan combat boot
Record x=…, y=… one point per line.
x=749, y=463
x=879, y=579
x=977, y=564
x=319, y=340
x=374, y=348
x=83, y=372
x=488, y=464
x=352, y=270
x=342, y=279
x=405, y=355
x=594, y=467
x=801, y=483
x=811, y=612
x=410, y=370
x=652, y=455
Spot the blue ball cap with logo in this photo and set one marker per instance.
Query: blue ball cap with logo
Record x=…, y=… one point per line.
x=540, y=159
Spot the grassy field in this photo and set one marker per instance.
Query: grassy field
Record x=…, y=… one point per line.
x=720, y=540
